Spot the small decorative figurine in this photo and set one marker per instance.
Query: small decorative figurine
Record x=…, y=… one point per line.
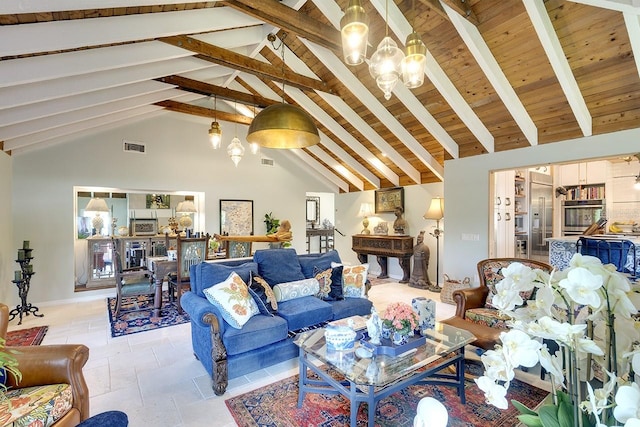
x=374, y=327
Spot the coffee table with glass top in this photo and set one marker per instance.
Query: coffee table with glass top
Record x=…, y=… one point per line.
x=370, y=379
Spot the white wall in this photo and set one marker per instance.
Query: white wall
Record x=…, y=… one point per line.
x=179, y=158
x=8, y=251
x=467, y=190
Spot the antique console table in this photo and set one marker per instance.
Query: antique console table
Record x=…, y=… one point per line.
x=383, y=247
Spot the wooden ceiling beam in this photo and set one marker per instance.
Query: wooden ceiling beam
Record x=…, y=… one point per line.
x=233, y=60
x=208, y=89
x=195, y=110
x=290, y=20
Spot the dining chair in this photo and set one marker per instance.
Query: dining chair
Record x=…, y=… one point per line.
x=620, y=252
x=189, y=251
x=130, y=282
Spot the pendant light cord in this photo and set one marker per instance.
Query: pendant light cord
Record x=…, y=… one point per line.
x=386, y=18
x=215, y=108
x=280, y=47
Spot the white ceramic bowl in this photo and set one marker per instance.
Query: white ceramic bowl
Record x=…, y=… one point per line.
x=339, y=338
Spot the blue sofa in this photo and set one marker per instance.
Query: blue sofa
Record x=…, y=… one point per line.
x=227, y=352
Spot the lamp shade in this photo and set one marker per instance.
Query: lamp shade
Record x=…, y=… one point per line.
x=186, y=207
x=215, y=135
x=354, y=29
x=436, y=209
x=414, y=62
x=365, y=210
x=283, y=126
x=97, y=204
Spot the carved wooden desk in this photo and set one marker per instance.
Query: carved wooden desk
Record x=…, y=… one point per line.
x=400, y=247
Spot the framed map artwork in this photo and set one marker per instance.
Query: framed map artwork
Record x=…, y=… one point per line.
x=388, y=199
x=236, y=217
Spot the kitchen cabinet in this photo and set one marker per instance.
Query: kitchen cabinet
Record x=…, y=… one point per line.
x=503, y=224
x=584, y=173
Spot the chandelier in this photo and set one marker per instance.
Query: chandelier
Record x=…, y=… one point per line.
x=388, y=63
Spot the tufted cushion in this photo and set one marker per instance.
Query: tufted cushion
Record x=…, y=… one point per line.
x=278, y=265
x=263, y=295
x=486, y=316
x=292, y=290
x=310, y=262
x=39, y=405
x=305, y=311
x=353, y=280
x=233, y=300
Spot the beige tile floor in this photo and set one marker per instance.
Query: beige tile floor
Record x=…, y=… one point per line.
x=153, y=376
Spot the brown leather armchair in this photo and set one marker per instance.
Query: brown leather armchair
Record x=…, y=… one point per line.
x=489, y=273
x=52, y=364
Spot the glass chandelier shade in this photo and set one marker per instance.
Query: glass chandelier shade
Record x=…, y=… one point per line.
x=385, y=66
x=215, y=135
x=354, y=28
x=235, y=150
x=414, y=62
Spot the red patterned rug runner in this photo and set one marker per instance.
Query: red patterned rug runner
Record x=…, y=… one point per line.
x=29, y=336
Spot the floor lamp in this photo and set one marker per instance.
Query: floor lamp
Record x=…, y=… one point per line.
x=436, y=212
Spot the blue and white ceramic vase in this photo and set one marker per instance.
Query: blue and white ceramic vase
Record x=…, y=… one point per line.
x=400, y=337
x=386, y=332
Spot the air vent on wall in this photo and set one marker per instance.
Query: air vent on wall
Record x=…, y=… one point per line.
x=134, y=147
x=267, y=162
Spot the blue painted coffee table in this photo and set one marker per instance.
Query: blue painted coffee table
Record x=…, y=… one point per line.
x=370, y=379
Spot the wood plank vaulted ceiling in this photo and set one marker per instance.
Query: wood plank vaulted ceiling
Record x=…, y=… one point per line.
x=501, y=75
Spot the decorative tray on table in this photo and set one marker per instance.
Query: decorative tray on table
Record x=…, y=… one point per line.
x=388, y=348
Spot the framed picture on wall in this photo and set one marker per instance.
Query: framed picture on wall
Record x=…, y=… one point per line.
x=236, y=217
x=143, y=227
x=388, y=199
x=158, y=201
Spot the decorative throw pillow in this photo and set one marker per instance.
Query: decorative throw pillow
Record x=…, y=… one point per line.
x=330, y=283
x=309, y=262
x=278, y=265
x=299, y=288
x=353, y=280
x=263, y=295
x=233, y=300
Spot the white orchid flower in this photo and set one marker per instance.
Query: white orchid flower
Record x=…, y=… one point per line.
x=521, y=276
x=587, y=345
x=627, y=403
x=591, y=405
x=494, y=394
x=586, y=261
x=544, y=300
x=632, y=422
x=552, y=364
x=496, y=366
x=506, y=298
x=549, y=328
x=582, y=286
x=519, y=349
x=635, y=362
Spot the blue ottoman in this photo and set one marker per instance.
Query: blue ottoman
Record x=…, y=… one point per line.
x=106, y=419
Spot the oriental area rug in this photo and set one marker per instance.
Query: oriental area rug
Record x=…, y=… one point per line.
x=25, y=337
x=142, y=319
x=275, y=405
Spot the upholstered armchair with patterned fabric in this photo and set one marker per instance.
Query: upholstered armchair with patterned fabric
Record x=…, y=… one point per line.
x=52, y=387
x=474, y=311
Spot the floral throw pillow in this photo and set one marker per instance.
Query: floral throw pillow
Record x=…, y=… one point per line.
x=353, y=280
x=233, y=300
x=324, y=281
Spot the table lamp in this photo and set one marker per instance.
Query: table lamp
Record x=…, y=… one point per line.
x=436, y=212
x=97, y=205
x=365, y=211
x=186, y=208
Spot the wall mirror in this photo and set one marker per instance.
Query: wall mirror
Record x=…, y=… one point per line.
x=313, y=211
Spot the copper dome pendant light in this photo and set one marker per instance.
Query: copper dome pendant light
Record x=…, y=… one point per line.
x=283, y=125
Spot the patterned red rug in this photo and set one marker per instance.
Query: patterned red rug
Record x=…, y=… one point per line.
x=275, y=405
x=29, y=336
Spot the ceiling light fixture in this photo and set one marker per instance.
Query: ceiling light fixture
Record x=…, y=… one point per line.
x=235, y=150
x=215, y=133
x=385, y=66
x=283, y=125
x=354, y=27
x=415, y=60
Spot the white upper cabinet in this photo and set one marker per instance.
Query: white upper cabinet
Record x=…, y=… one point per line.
x=585, y=173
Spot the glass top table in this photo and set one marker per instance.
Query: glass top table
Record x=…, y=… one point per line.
x=370, y=379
